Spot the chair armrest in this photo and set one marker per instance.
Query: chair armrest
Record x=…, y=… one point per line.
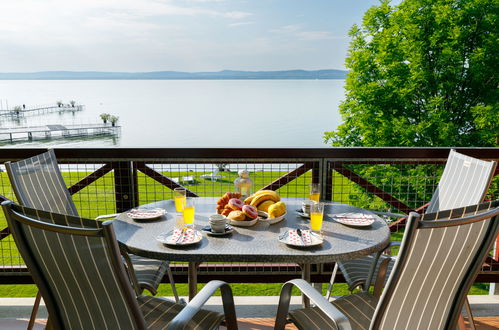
x=200, y=299
x=107, y=216
x=337, y=317
x=394, y=243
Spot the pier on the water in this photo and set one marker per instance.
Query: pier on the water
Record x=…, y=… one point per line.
x=56, y=131
x=41, y=110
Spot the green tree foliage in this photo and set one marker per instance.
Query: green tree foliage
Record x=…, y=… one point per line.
x=423, y=73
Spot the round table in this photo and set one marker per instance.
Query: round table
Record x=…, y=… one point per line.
x=258, y=243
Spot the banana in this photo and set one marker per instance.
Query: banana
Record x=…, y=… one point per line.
x=276, y=210
x=264, y=206
x=268, y=195
x=258, y=193
x=248, y=200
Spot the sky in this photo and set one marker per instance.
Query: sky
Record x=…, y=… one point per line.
x=177, y=35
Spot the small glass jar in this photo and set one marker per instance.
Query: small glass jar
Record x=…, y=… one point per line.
x=243, y=184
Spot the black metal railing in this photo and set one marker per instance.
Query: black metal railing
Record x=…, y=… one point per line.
x=114, y=180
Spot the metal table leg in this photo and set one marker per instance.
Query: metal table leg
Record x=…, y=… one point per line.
x=305, y=275
x=192, y=276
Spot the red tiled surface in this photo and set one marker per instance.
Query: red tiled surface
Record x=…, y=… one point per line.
x=482, y=323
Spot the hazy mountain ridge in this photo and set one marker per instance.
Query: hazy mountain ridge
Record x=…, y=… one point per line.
x=178, y=75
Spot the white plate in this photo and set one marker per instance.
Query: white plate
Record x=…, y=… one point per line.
x=316, y=239
x=228, y=230
x=244, y=223
x=264, y=217
x=354, y=219
x=145, y=214
x=168, y=238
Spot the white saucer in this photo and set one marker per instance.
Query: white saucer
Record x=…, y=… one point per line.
x=228, y=230
x=303, y=215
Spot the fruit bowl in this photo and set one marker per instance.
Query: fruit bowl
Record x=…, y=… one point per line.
x=243, y=223
x=264, y=217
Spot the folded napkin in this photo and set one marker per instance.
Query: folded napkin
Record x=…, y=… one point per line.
x=188, y=235
x=295, y=239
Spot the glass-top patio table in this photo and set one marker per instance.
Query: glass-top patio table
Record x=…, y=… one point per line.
x=258, y=243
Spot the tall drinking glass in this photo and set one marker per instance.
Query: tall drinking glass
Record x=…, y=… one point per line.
x=316, y=216
x=188, y=211
x=179, y=197
x=315, y=192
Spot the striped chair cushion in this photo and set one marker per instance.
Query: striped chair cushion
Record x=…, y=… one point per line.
x=149, y=272
x=359, y=308
x=159, y=312
x=356, y=271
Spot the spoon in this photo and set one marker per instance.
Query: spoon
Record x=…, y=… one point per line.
x=298, y=231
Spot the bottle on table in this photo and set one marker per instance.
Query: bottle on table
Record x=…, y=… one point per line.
x=243, y=184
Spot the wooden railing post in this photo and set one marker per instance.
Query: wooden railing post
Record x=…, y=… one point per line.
x=126, y=187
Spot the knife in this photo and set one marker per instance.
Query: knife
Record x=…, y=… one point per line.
x=182, y=235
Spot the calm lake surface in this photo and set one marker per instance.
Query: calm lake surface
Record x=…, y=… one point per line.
x=186, y=113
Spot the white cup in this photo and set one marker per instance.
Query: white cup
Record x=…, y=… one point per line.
x=217, y=223
x=305, y=206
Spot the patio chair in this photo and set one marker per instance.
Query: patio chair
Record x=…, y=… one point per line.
x=76, y=264
x=38, y=183
x=464, y=181
x=427, y=286
x=213, y=176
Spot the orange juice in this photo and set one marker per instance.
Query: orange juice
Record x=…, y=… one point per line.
x=188, y=214
x=179, y=203
x=315, y=196
x=316, y=221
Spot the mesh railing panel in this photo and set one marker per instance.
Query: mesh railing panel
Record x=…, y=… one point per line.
x=106, y=186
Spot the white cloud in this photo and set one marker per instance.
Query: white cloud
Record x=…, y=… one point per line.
x=298, y=31
x=287, y=29
x=236, y=14
x=314, y=35
x=240, y=24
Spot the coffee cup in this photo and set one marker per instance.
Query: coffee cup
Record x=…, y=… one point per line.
x=305, y=206
x=217, y=223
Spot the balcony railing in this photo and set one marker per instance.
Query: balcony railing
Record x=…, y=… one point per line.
x=103, y=181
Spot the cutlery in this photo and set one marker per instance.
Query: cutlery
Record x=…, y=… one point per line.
x=182, y=235
x=298, y=231
x=284, y=235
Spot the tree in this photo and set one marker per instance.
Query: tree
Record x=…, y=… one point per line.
x=105, y=117
x=423, y=73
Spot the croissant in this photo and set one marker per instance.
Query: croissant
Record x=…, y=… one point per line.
x=222, y=201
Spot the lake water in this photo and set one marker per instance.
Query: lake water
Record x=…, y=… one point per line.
x=187, y=113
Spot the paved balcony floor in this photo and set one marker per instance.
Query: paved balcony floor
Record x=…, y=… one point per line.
x=252, y=312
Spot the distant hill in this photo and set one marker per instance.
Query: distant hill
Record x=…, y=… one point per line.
x=160, y=75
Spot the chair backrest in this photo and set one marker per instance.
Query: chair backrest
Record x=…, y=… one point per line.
x=434, y=269
x=38, y=183
x=76, y=264
x=464, y=182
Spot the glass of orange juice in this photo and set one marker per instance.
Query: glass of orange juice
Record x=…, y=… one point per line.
x=316, y=216
x=315, y=192
x=188, y=211
x=179, y=197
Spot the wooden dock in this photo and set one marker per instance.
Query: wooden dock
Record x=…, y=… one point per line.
x=31, y=133
x=37, y=111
